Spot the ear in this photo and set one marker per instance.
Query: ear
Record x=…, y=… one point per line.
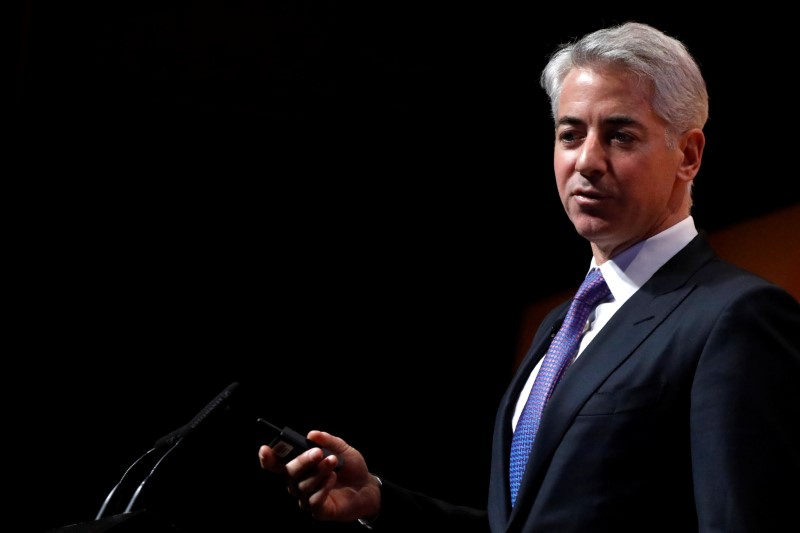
x=692, y=143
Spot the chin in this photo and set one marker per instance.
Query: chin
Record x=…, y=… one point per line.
x=591, y=228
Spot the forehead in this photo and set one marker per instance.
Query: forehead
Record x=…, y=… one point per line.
x=596, y=93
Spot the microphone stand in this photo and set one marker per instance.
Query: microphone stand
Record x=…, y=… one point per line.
x=152, y=459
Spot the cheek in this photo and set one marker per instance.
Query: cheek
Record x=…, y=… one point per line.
x=563, y=168
x=562, y=159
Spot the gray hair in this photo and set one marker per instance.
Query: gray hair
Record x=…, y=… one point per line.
x=679, y=90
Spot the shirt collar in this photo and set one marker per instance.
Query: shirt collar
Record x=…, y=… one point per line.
x=628, y=271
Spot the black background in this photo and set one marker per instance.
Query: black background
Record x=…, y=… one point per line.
x=342, y=206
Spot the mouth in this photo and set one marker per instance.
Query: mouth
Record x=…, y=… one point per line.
x=587, y=195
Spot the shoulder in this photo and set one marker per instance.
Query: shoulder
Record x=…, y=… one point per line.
x=708, y=272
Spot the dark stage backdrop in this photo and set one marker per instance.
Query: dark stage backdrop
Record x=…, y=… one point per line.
x=343, y=207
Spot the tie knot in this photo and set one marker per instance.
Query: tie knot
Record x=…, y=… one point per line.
x=593, y=289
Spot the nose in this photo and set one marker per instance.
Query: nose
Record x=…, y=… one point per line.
x=591, y=159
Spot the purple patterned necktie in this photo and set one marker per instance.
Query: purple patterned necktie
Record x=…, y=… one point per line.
x=561, y=352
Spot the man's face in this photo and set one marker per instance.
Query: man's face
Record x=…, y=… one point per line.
x=617, y=178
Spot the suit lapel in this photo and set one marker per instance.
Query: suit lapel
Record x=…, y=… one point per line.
x=620, y=337
x=499, y=489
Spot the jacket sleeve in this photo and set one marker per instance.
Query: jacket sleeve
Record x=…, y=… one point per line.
x=745, y=416
x=404, y=510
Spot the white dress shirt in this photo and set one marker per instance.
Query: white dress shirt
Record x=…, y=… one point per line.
x=624, y=274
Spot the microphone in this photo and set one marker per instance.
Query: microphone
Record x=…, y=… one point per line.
x=174, y=439
x=162, y=447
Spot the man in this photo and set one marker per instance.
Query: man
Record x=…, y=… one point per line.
x=679, y=408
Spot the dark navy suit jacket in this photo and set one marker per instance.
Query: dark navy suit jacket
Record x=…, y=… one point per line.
x=681, y=415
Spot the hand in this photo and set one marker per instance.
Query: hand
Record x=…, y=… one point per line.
x=343, y=496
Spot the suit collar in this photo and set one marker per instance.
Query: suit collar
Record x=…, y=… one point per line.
x=632, y=323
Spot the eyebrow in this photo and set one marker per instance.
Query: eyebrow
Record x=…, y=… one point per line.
x=613, y=120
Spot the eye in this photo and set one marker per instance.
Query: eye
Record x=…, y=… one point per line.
x=621, y=137
x=569, y=136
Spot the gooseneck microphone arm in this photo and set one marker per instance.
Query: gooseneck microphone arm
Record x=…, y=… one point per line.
x=150, y=460
x=145, y=462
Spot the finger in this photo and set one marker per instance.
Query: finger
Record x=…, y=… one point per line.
x=332, y=443
x=317, y=478
x=304, y=464
x=305, y=480
x=313, y=497
x=269, y=460
x=317, y=500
